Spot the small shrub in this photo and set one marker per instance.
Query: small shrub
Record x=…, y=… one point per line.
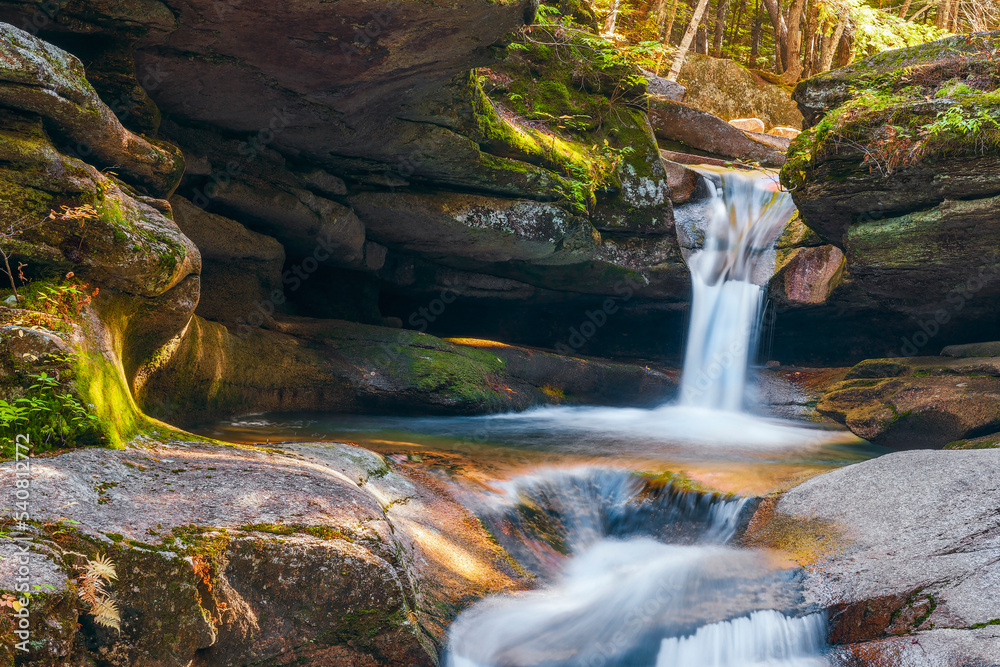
x=50, y=415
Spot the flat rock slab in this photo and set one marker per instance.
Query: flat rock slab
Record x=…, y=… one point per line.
x=918, y=556
x=318, y=554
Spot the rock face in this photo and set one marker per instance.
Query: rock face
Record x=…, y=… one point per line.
x=728, y=90
x=892, y=176
x=316, y=555
x=920, y=402
x=905, y=556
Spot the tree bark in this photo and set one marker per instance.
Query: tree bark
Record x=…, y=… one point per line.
x=905, y=8
x=755, y=33
x=670, y=22
x=809, y=40
x=682, y=49
x=830, y=48
x=720, y=27
x=953, y=21
x=780, y=32
x=793, y=46
x=943, y=13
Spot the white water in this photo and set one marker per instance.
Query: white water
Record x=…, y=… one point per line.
x=748, y=213
x=620, y=597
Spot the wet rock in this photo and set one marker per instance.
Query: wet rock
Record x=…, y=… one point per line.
x=677, y=121
x=685, y=183
x=728, y=90
x=807, y=276
x=40, y=78
x=908, y=575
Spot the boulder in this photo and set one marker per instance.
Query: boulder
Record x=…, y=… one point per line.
x=326, y=365
x=918, y=402
x=319, y=554
x=39, y=78
x=807, y=276
x=661, y=87
x=901, y=552
x=725, y=88
x=685, y=183
x=676, y=121
x=748, y=124
x=787, y=132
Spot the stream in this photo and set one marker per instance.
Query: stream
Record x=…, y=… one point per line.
x=633, y=570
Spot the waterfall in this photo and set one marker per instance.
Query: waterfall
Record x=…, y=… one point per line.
x=632, y=573
x=746, y=214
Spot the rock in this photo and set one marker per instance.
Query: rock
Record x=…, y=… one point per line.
x=685, y=183
x=320, y=554
x=749, y=124
x=676, y=121
x=920, y=402
x=903, y=553
x=642, y=202
x=305, y=223
x=661, y=87
x=931, y=63
x=239, y=268
x=326, y=365
x=906, y=201
x=688, y=158
x=11, y=300
x=40, y=78
x=807, y=276
x=725, y=88
x=990, y=349
x=126, y=243
x=787, y=132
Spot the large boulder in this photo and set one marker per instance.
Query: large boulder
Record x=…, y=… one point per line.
x=901, y=552
x=727, y=89
x=316, y=555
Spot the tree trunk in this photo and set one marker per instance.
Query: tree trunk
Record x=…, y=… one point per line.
x=943, y=13
x=905, y=8
x=830, y=48
x=720, y=27
x=682, y=49
x=780, y=32
x=810, y=38
x=701, y=40
x=670, y=22
x=758, y=25
x=953, y=21
x=793, y=46
x=612, y=20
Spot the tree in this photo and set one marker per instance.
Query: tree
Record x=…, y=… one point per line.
x=682, y=48
x=720, y=27
x=780, y=32
x=793, y=43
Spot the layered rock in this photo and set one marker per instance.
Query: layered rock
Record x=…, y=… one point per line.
x=898, y=173
x=919, y=402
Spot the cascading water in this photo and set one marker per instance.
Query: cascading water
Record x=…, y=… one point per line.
x=635, y=576
x=747, y=214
